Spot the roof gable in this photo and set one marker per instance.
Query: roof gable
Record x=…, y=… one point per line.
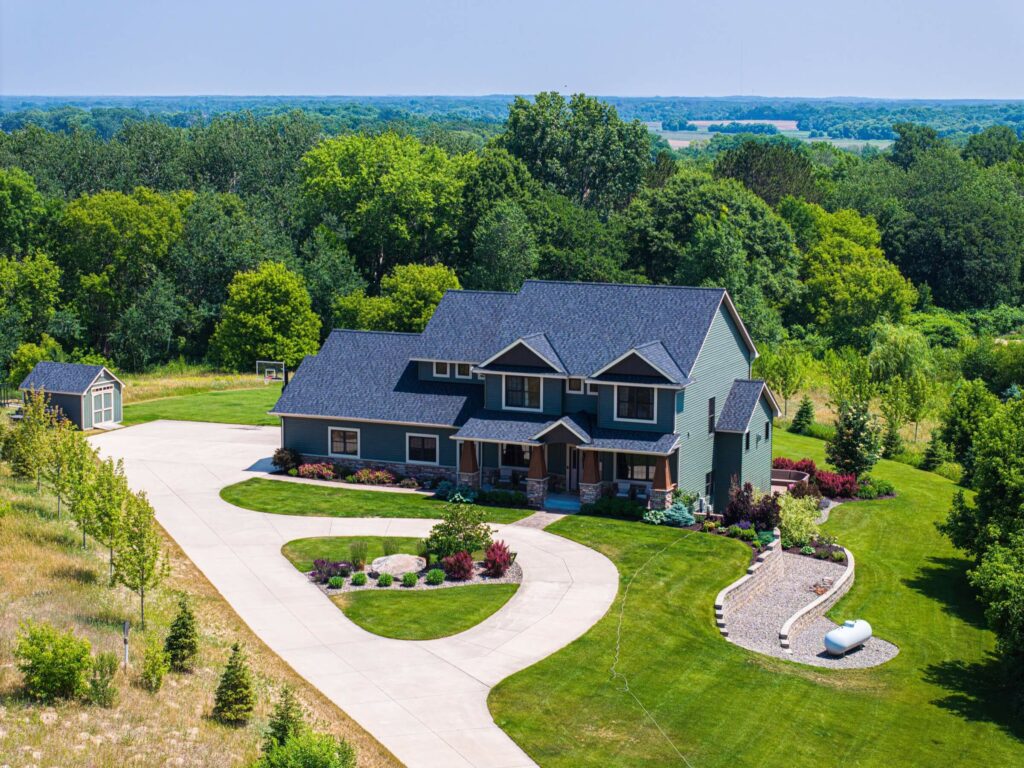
x=533, y=351
x=741, y=404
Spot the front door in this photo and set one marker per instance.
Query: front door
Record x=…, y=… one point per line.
x=103, y=405
x=573, y=474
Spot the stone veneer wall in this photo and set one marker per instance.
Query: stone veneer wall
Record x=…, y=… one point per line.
x=419, y=471
x=766, y=568
x=796, y=623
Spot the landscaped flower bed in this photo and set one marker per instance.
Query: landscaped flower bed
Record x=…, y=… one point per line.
x=479, y=575
x=832, y=485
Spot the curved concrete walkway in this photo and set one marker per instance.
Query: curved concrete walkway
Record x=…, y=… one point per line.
x=425, y=701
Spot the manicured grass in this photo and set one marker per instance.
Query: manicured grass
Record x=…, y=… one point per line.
x=285, y=498
x=423, y=614
x=232, y=406
x=938, y=702
x=302, y=552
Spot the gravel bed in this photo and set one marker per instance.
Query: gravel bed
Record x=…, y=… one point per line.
x=808, y=648
x=513, y=575
x=755, y=625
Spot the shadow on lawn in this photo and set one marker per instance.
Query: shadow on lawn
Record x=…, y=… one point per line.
x=944, y=580
x=979, y=692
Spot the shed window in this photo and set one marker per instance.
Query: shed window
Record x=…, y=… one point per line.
x=421, y=449
x=515, y=455
x=344, y=442
x=522, y=392
x=711, y=414
x=441, y=369
x=631, y=466
x=634, y=403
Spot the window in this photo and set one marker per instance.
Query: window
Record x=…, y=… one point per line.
x=515, y=455
x=591, y=388
x=630, y=466
x=574, y=385
x=709, y=484
x=634, y=403
x=711, y=415
x=462, y=371
x=441, y=369
x=767, y=430
x=522, y=392
x=747, y=440
x=344, y=442
x=421, y=449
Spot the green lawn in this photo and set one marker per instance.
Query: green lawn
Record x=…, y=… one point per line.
x=300, y=499
x=231, y=406
x=399, y=613
x=719, y=705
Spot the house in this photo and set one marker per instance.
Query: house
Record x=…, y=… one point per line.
x=581, y=388
x=89, y=396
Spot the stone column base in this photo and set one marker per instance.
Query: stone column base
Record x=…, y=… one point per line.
x=472, y=479
x=661, y=499
x=536, y=492
x=590, y=492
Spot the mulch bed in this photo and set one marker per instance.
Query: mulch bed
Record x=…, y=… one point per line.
x=514, y=575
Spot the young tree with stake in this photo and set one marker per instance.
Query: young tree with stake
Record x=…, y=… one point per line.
x=138, y=561
x=66, y=452
x=111, y=496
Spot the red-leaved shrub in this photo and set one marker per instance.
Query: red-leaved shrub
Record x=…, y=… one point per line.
x=836, y=486
x=781, y=462
x=322, y=471
x=804, y=465
x=498, y=559
x=458, y=566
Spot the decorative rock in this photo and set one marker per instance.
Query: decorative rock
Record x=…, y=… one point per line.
x=396, y=565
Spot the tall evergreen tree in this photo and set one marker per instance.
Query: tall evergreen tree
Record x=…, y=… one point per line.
x=182, y=644
x=235, y=700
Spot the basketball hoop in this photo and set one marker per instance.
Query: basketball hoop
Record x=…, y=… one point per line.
x=271, y=370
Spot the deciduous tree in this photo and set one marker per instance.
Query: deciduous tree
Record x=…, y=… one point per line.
x=139, y=563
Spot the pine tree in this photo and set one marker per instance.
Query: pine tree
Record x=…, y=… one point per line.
x=286, y=721
x=234, y=701
x=936, y=453
x=137, y=552
x=182, y=644
x=804, y=417
x=857, y=444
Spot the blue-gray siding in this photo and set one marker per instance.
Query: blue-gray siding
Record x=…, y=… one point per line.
x=377, y=442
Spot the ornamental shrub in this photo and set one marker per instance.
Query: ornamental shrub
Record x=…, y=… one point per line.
x=182, y=643
x=336, y=582
x=359, y=579
x=748, y=534
x=286, y=721
x=499, y=497
x=654, y=516
x=53, y=663
x=102, y=691
x=155, y=664
x=838, y=556
x=286, y=459
x=797, y=516
x=234, y=700
x=804, y=417
x=462, y=529
x=709, y=526
x=408, y=482
x=498, y=559
x=807, y=550
x=804, y=490
x=385, y=580
x=320, y=471
x=435, y=576
x=325, y=570
x=612, y=506
x=836, y=486
x=764, y=538
x=357, y=554
x=680, y=514
x=733, y=531
x=309, y=750
x=368, y=476
x=410, y=579
x=875, y=487
x=803, y=465
x=390, y=545
x=950, y=470
x=458, y=566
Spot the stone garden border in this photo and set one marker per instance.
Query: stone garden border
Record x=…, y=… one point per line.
x=818, y=607
x=765, y=568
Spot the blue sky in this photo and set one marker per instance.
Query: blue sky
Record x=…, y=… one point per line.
x=882, y=48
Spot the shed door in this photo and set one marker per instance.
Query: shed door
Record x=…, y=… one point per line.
x=103, y=404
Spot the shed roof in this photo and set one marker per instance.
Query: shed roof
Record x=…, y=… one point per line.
x=63, y=378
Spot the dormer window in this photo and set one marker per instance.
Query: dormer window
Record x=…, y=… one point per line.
x=462, y=371
x=441, y=369
x=575, y=386
x=522, y=393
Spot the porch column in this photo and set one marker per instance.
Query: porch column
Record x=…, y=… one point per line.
x=590, y=484
x=661, y=492
x=469, y=468
x=537, y=477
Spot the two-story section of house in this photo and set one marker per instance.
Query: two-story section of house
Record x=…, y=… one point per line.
x=575, y=389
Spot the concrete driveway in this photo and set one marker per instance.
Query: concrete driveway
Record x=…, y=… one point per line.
x=425, y=701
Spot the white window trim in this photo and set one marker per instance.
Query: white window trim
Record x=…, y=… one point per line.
x=504, y=407
x=437, y=449
x=469, y=371
x=502, y=465
x=568, y=388
x=615, y=468
x=615, y=407
x=591, y=388
x=447, y=369
x=359, y=443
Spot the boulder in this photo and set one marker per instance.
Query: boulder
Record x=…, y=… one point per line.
x=396, y=565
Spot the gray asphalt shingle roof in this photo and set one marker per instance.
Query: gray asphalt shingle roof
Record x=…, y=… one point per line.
x=739, y=406
x=639, y=441
x=586, y=324
x=368, y=375
x=69, y=378
x=501, y=426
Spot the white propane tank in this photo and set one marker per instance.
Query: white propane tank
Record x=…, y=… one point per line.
x=852, y=634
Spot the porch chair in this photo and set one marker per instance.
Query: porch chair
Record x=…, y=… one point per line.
x=622, y=490
x=641, y=494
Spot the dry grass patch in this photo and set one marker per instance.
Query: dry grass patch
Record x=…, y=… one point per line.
x=178, y=379
x=45, y=575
